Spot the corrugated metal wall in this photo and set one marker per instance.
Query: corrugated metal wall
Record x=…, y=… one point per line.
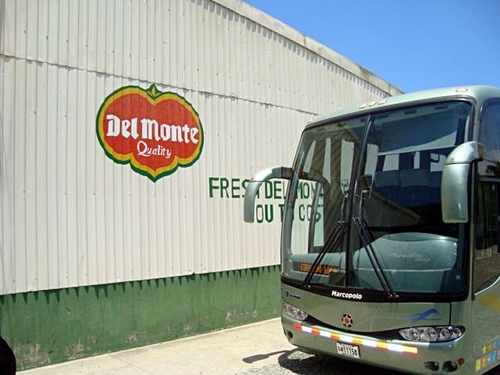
x=70, y=216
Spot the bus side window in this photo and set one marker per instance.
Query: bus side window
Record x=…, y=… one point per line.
x=489, y=136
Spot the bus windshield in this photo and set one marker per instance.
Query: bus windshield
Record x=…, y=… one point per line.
x=364, y=206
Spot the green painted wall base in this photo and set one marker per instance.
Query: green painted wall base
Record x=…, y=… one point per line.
x=54, y=326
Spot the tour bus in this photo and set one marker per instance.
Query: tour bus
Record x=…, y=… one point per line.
x=396, y=263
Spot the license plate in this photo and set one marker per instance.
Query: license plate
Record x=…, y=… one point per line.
x=348, y=350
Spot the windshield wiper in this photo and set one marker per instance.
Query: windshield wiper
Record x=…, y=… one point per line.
x=365, y=238
x=333, y=240
x=365, y=186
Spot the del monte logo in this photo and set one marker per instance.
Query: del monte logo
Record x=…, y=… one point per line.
x=156, y=132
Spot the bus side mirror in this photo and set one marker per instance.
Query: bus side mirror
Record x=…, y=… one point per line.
x=454, y=187
x=253, y=186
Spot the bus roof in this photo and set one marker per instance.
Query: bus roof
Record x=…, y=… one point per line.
x=479, y=93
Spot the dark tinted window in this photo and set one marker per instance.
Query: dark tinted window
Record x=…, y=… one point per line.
x=489, y=136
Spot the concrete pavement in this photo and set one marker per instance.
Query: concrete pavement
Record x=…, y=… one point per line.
x=223, y=352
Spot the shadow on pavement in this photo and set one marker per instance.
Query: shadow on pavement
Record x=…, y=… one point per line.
x=260, y=357
x=300, y=363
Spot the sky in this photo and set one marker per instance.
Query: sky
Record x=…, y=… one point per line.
x=412, y=44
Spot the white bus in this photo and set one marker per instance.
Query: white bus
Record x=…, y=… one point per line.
x=391, y=258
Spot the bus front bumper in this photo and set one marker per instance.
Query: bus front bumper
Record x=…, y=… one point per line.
x=400, y=355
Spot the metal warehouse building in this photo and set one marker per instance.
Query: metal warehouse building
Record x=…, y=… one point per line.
x=129, y=130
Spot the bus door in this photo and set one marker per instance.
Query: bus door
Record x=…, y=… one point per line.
x=486, y=282
x=486, y=255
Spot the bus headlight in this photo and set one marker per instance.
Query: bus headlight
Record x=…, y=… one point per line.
x=432, y=334
x=293, y=311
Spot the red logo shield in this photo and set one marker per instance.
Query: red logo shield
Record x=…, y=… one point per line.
x=155, y=132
